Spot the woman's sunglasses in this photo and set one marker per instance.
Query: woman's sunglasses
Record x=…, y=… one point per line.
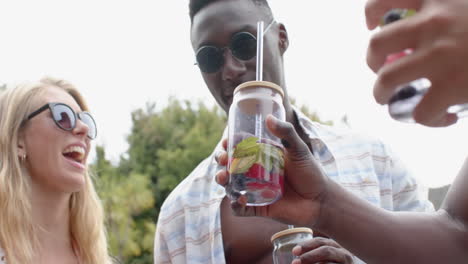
x=243, y=46
x=65, y=118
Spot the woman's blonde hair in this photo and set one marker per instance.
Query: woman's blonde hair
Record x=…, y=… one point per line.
x=18, y=233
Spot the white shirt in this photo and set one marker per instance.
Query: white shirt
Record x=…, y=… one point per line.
x=189, y=226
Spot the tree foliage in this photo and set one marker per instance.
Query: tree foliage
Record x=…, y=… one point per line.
x=167, y=145
x=124, y=196
x=164, y=147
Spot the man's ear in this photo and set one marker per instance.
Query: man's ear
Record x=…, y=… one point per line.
x=283, y=38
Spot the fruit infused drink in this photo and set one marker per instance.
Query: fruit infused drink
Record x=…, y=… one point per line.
x=257, y=171
x=256, y=158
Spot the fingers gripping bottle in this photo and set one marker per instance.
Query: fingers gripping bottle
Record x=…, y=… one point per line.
x=256, y=159
x=407, y=96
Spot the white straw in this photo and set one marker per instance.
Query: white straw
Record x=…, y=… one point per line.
x=259, y=50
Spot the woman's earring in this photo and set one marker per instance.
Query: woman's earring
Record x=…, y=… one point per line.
x=23, y=158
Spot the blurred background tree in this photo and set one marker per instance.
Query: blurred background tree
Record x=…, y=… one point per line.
x=125, y=196
x=164, y=147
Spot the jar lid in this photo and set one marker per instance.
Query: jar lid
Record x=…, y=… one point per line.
x=259, y=84
x=291, y=231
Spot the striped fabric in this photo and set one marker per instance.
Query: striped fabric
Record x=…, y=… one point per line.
x=189, y=226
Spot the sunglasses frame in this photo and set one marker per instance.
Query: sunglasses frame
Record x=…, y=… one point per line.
x=222, y=50
x=77, y=116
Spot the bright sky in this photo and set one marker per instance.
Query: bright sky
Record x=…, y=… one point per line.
x=122, y=54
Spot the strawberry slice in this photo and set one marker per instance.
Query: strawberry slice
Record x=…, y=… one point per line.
x=256, y=171
x=277, y=179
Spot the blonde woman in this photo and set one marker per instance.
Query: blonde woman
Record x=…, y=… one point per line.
x=50, y=212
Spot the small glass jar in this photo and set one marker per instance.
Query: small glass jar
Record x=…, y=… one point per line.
x=284, y=241
x=255, y=156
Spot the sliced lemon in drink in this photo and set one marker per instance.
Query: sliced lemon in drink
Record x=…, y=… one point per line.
x=242, y=165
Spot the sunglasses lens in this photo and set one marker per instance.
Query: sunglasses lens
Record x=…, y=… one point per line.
x=89, y=121
x=209, y=59
x=244, y=46
x=64, y=116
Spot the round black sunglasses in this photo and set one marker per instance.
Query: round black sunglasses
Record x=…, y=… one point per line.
x=243, y=46
x=65, y=118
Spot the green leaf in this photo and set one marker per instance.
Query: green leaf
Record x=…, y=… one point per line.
x=242, y=165
x=248, y=152
x=269, y=156
x=247, y=147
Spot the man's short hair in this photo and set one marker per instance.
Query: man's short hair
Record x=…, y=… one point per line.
x=197, y=5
